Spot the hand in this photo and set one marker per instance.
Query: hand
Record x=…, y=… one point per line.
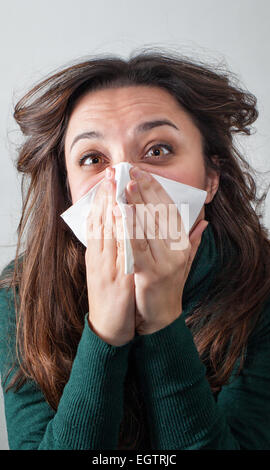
x=110, y=291
x=160, y=273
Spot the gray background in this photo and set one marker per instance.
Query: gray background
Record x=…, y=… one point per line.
x=36, y=37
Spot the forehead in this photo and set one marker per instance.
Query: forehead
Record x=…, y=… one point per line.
x=116, y=112
x=126, y=102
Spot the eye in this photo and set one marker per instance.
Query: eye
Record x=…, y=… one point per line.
x=95, y=158
x=90, y=159
x=156, y=153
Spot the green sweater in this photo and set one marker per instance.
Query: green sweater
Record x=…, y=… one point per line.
x=181, y=411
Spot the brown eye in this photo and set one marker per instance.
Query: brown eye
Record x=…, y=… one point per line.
x=90, y=159
x=157, y=153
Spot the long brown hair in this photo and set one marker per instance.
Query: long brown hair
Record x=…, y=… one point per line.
x=49, y=270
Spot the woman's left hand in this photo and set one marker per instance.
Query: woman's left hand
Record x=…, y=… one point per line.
x=160, y=273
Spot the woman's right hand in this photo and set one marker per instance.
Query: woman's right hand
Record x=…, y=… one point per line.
x=111, y=292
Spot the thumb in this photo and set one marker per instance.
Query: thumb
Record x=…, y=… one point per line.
x=196, y=234
x=195, y=239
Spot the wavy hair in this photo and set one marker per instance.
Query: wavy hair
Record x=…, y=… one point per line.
x=49, y=270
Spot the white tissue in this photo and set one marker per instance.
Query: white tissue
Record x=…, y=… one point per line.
x=76, y=215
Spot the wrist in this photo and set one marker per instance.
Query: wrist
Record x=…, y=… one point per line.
x=151, y=329
x=113, y=340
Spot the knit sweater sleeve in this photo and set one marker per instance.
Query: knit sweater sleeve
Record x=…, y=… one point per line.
x=90, y=409
x=182, y=411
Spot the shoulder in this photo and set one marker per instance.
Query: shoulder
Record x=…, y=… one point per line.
x=7, y=317
x=6, y=291
x=8, y=269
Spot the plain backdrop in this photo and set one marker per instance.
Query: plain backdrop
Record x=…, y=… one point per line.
x=37, y=37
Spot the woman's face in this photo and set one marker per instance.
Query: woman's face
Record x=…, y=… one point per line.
x=111, y=124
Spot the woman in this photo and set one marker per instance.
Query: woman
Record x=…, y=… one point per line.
x=177, y=355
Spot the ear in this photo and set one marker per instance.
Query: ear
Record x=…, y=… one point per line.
x=212, y=181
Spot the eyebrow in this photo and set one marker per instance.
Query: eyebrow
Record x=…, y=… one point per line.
x=143, y=127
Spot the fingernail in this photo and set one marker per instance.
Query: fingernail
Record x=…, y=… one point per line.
x=140, y=174
x=133, y=186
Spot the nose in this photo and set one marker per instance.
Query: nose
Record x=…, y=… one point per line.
x=110, y=171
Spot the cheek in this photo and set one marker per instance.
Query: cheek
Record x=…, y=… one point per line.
x=193, y=172
x=192, y=175
x=194, y=178
x=80, y=183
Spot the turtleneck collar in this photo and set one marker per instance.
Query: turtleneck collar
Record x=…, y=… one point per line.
x=203, y=269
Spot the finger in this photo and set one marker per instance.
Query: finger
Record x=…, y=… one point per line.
x=155, y=197
x=143, y=255
x=114, y=244
x=119, y=241
x=170, y=224
x=94, y=221
x=196, y=234
x=152, y=187
x=149, y=218
x=109, y=239
x=195, y=239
